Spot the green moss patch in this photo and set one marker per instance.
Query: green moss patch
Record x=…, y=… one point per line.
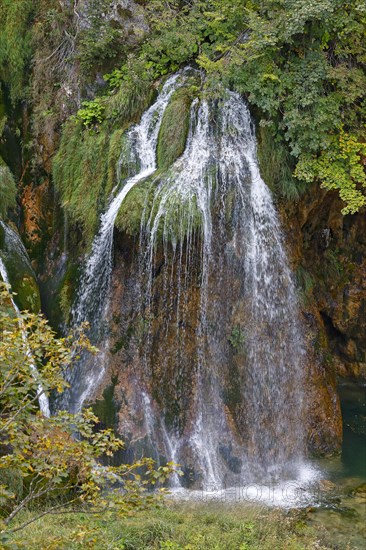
x=174, y=129
x=79, y=171
x=85, y=173
x=135, y=208
x=8, y=189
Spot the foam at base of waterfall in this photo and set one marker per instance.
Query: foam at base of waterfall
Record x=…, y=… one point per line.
x=298, y=492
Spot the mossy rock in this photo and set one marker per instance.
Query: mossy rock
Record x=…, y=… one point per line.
x=174, y=128
x=20, y=273
x=182, y=212
x=80, y=171
x=136, y=204
x=118, y=158
x=8, y=189
x=106, y=407
x=182, y=216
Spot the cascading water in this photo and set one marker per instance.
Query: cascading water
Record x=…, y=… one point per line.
x=219, y=165
x=211, y=255
x=14, y=243
x=138, y=154
x=273, y=377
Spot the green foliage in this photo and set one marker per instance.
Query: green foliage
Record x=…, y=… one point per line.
x=8, y=189
x=92, y=112
x=117, y=77
x=302, y=66
x=167, y=52
x=131, y=92
x=276, y=165
x=50, y=466
x=16, y=44
x=185, y=30
x=339, y=167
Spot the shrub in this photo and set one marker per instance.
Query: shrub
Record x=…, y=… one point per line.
x=51, y=468
x=92, y=112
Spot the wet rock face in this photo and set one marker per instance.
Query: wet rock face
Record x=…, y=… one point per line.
x=333, y=251
x=126, y=16
x=169, y=373
x=217, y=333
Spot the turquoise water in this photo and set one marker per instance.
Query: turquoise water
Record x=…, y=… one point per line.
x=353, y=402
x=340, y=517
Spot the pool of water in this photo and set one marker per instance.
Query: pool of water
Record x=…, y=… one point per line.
x=340, y=513
x=353, y=400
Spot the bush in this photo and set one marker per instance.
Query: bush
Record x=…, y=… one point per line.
x=92, y=112
x=44, y=466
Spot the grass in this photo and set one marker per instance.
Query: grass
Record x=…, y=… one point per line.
x=176, y=526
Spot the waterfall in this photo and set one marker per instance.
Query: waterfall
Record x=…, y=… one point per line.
x=216, y=300
x=273, y=386
x=92, y=302
x=14, y=240
x=189, y=212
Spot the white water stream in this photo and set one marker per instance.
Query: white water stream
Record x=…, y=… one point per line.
x=92, y=302
x=15, y=242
